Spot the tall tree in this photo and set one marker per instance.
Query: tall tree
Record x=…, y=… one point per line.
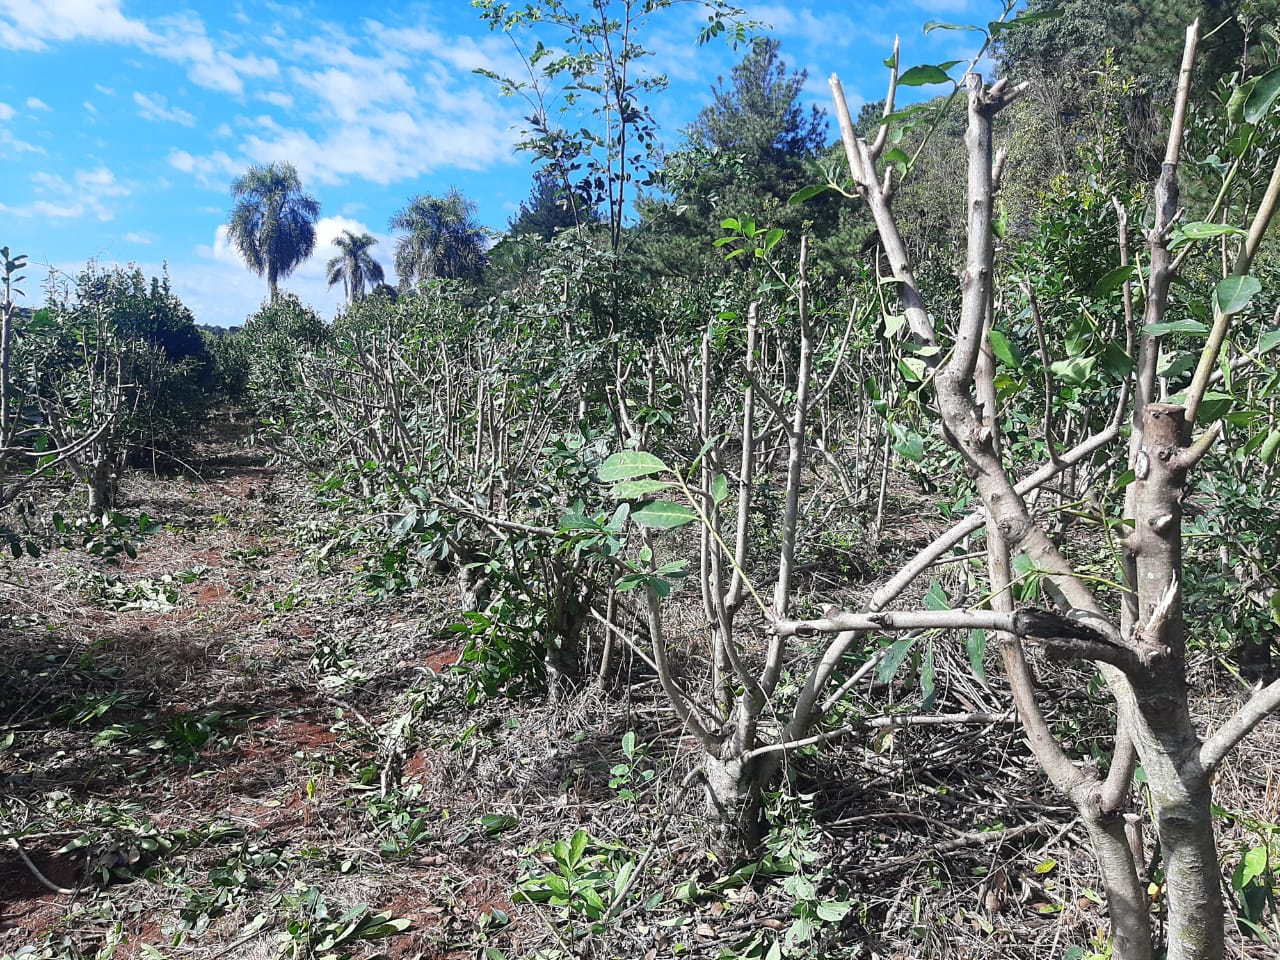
x=442, y=239
x=551, y=207
x=758, y=114
x=746, y=154
x=354, y=266
x=273, y=223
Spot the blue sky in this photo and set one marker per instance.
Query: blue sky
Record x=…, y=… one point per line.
x=123, y=123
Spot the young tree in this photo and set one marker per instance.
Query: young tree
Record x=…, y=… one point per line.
x=273, y=223
x=1137, y=637
x=759, y=116
x=588, y=120
x=443, y=239
x=355, y=266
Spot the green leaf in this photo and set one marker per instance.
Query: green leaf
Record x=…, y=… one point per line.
x=386, y=928
x=1112, y=281
x=893, y=660
x=1235, y=104
x=896, y=322
x=1214, y=406
x=1234, y=293
x=1193, y=327
x=907, y=443
x=1262, y=97
x=577, y=846
x=936, y=598
x=619, y=518
x=976, y=647
x=719, y=489
x=663, y=515
x=897, y=155
x=494, y=823
x=933, y=25
x=1269, y=341
x=1200, y=230
x=1003, y=349
x=623, y=878
x=1000, y=26
x=1255, y=864
x=629, y=464
x=1115, y=361
x=1077, y=371
x=808, y=193
x=1267, y=452
x=833, y=911
x=637, y=489
x=923, y=75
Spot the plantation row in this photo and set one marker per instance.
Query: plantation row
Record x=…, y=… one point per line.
x=829, y=474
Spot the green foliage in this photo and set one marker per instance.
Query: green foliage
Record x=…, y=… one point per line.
x=273, y=223
x=354, y=266
x=443, y=240
x=592, y=63
x=552, y=206
x=819, y=903
x=745, y=157
x=273, y=339
x=317, y=930
x=587, y=884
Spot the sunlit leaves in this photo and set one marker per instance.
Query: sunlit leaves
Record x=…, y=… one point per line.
x=1003, y=349
x=923, y=75
x=663, y=515
x=1262, y=96
x=1112, y=281
x=1234, y=293
x=629, y=464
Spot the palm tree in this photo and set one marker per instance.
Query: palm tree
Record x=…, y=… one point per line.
x=443, y=239
x=354, y=266
x=273, y=223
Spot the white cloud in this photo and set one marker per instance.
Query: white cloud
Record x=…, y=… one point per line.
x=157, y=108
x=132, y=237
x=90, y=107
x=105, y=91
x=274, y=97
x=35, y=103
x=32, y=26
x=91, y=193
x=18, y=146
x=211, y=170
x=180, y=38
x=101, y=182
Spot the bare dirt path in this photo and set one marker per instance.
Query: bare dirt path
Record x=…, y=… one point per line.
x=191, y=738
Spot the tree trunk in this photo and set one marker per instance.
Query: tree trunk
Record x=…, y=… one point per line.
x=1127, y=901
x=102, y=485
x=735, y=804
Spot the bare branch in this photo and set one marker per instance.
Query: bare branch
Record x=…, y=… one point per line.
x=1263, y=702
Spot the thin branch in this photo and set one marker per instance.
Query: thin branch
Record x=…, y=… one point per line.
x=35, y=871
x=887, y=722
x=1263, y=702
